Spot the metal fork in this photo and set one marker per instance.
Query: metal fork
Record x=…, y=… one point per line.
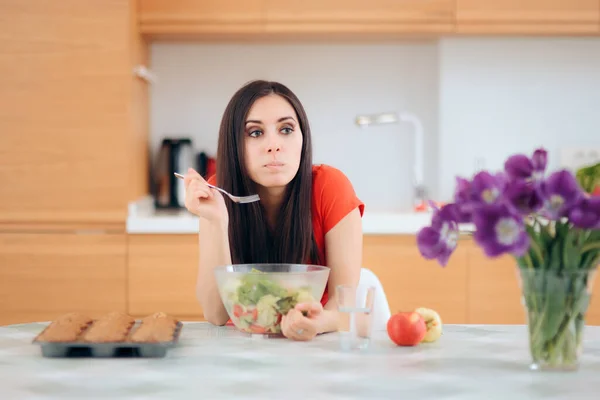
x=236, y=199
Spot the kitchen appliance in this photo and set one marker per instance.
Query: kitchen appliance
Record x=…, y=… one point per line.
x=174, y=155
x=205, y=165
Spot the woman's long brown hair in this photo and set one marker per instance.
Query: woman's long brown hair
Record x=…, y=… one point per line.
x=250, y=239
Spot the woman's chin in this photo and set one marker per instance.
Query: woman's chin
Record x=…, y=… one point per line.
x=274, y=182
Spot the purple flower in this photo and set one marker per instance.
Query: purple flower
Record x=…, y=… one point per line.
x=524, y=196
x=518, y=166
x=500, y=230
x=586, y=213
x=462, y=193
x=486, y=188
x=462, y=199
x=539, y=161
x=560, y=192
x=439, y=240
x=448, y=213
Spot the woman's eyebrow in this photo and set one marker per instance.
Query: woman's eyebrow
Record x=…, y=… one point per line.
x=256, y=121
x=284, y=118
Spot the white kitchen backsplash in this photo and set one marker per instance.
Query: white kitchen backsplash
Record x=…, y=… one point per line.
x=479, y=100
x=501, y=96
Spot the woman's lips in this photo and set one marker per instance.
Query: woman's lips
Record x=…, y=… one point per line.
x=274, y=164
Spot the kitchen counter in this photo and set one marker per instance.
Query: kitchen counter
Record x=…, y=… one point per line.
x=143, y=218
x=468, y=362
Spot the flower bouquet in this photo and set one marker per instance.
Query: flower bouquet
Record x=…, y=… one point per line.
x=551, y=227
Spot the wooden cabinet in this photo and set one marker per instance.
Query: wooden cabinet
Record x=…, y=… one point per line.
x=409, y=281
x=200, y=17
x=593, y=313
x=493, y=289
x=46, y=275
x=73, y=142
x=162, y=275
x=472, y=288
x=528, y=16
x=359, y=17
x=73, y=146
x=271, y=18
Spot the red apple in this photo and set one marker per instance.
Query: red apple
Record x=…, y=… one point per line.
x=596, y=191
x=406, y=328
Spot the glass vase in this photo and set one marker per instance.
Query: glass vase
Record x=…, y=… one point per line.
x=556, y=301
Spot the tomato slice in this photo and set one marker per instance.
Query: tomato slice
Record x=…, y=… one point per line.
x=238, y=311
x=255, y=314
x=258, y=329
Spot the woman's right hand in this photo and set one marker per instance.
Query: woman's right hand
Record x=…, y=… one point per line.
x=204, y=201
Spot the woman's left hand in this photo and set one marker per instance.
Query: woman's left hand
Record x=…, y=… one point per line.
x=294, y=325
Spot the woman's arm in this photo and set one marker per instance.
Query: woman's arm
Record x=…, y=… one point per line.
x=344, y=245
x=214, y=251
x=213, y=242
x=344, y=257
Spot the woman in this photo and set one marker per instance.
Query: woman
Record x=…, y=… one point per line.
x=306, y=214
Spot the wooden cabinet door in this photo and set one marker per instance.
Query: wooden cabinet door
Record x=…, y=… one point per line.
x=190, y=17
x=162, y=271
x=528, y=16
x=593, y=313
x=358, y=16
x=493, y=289
x=45, y=275
x=65, y=112
x=410, y=281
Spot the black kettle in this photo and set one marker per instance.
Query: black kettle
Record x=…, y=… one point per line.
x=174, y=155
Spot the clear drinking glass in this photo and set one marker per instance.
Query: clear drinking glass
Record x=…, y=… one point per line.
x=355, y=305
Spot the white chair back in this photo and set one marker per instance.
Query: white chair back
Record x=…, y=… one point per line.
x=381, y=312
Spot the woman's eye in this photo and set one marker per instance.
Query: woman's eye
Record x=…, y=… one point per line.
x=255, y=133
x=287, y=130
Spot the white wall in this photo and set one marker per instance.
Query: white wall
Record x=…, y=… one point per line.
x=335, y=83
x=478, y=99
x=501, y=96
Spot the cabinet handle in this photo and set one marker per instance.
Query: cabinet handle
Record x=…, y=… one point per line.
x=144, y=73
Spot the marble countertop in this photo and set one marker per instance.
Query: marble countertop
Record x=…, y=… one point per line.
x=143, y=218
x=468, y=362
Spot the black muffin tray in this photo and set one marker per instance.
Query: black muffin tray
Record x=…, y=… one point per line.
x=111, y=349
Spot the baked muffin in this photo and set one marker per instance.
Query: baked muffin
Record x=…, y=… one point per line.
x=158, y=327
x=112, y=327
x=153, y=334
x=160, y=318
x=65, y=328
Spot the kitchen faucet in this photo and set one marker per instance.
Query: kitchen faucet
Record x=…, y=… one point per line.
x=420, y=192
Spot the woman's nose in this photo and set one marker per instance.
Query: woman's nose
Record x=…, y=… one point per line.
x=273, y=147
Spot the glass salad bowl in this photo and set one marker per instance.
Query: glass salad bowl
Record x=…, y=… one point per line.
x=256, y=296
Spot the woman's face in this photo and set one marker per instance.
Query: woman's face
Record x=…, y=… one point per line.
x=273, y=142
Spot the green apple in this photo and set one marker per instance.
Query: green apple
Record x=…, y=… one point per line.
x=433, y=322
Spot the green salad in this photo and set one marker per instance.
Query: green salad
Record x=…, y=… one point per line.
x=256, y=302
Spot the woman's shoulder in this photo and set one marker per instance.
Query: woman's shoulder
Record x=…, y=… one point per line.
x=325, y=175
x=333, y=194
